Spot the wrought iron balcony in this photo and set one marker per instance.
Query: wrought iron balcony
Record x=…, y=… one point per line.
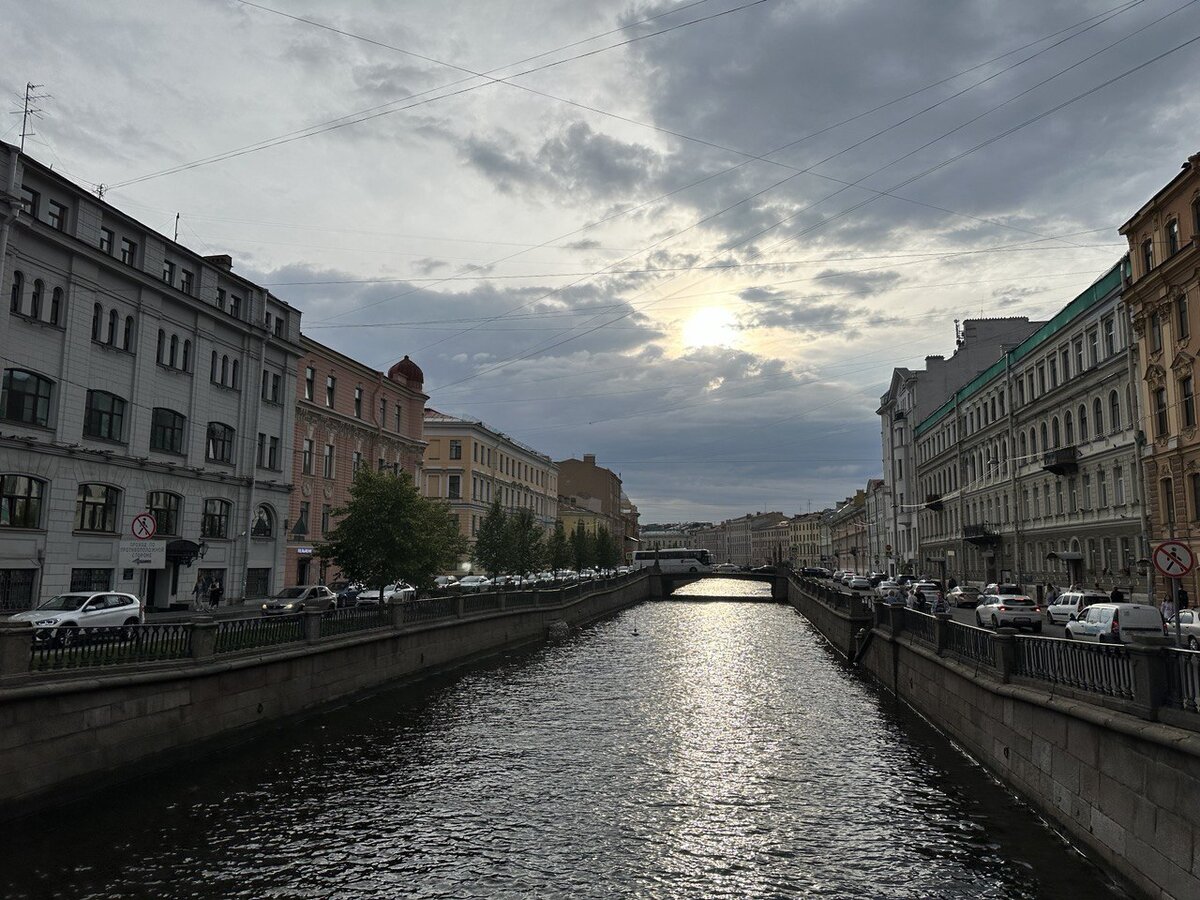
x=933, y=502
x=1063, y=461
x=980, y=534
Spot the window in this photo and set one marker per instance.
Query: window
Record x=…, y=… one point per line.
x=1072, y=495
x=1119, y=485
x=1168, y=500
x=173, y=353
x=398, y=415
x=96, y=508
x=278, y=331
x=1078, y=347
x=306, y=457
x=1068, y=428
x=383, y=412
x=327, y=463
x=1172, y=237
x=1053, y=372
x=91, y=579
x=1147, y=256
x=218, y=444
x=221, y=299
x=326, y=510
x=233, y=373
x=1182, y=328
x=1098, y=417
x=356, y=461
x=382, y=464
x=25, y=397
x=273, y=453
x=358, y=395
x=1155, y=333
x=261, y=454
x=1041, y=378
x=166, y=430
x=235, y=307
x=302, y=519
x=1083, y=431
x=186, y=279
x=309, y=375
x=454, y=487
x=18, y=288
x=128, y=342
x=1196, y=217
x=330, y=388
x=264, y=522
x=30, y=201
x=1101, y=489
x=164, y=506
x=1160, y=413
x=128, y=252
x=214, y=521
x=258, y=582
x=35, y=302
x=1187, y=402
x=1093, y=347
x=104, y=416
x=113, y=321
x=16, y=589
x=1114, y=411
x=98, y=322
x=1194, y=485
x=106, y=241
x=1110, y=336
x=169, y=272
x=213, y=373
x=276, y=381
x=456, y=449
x=20, y=501
x=1087, y=491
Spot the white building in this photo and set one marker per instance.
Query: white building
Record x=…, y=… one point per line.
x=138, y=376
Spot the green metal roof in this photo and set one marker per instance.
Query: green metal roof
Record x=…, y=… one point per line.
x=1100, y=290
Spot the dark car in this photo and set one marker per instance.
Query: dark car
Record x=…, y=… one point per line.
x=297, y=599
x=346, y=592
x=770, y=570
x=814, y=572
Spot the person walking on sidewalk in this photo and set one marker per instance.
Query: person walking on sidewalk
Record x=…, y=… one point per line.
x=200, y=592
x=214, y=593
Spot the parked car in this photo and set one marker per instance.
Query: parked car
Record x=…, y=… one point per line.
x=67, y=618
x=963, y=596
x=1005, y=589
x=346, y=592
x=297, y=599
x=473, y=584
x=1116, y=623
x=391, y=593
x=725, y=568
x=860, y=583
x=1068, y=602
x=1008, y=611
x=889, y=590
x=767, y=569
x=1189, y=627
x=930, y=596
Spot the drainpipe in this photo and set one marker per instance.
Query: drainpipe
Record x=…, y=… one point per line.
x=1138, y=483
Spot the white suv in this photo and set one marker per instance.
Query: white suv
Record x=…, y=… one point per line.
x=1116, y=623
x=67, y=618
x=1059, y=612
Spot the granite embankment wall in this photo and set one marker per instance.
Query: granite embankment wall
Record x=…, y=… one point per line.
x=1116, y=767
x=63, y=732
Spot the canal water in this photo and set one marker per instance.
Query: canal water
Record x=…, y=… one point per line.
x=681, y=749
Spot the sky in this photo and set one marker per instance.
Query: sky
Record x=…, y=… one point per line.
x=692, y=237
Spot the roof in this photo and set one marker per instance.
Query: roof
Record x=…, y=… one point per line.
x=1099, y=290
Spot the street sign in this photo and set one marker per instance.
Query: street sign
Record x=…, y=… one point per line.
x=142, y=554
x=144, y=526
x=1173, y=558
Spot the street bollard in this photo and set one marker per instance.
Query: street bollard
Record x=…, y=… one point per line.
x=312, y=625
x=16, y=646
x=1004, y=646
x=941, y=631
x=204, y=637
x=397, y=612
x=1149, y=664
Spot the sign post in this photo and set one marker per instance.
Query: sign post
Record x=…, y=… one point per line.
x=1174, y=559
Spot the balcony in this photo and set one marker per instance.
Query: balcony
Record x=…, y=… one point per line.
x=1063, y=461
x=933, y=502
x=981, y=535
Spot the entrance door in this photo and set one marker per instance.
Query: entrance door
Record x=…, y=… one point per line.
x=302, y=570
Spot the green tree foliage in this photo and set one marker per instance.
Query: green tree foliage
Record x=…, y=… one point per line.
x=492, y=552
x=389, y=531
x=558, y=548
x=582, y=547
x=525, y=543
x=608, y=554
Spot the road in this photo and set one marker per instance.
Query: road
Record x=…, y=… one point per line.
x=966, y=616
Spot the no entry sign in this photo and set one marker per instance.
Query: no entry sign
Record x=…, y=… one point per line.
x=1173, y=558
x=143, y=526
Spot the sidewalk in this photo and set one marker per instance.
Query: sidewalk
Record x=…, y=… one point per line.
x=236, y=610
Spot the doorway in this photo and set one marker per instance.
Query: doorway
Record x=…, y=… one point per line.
x=303, y=567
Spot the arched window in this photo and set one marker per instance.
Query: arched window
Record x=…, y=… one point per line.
x=166, y=430
x=56, y=306
x=1069, y=428
x=21, y=501
x=1055, y=433
x=25, y=397
x=97, y=321
x=174, y=352
x=224, y=369
x=1033, y=444
x=1045, y=440
x=264, y=522
x=1022, y=446
x=233, y=380
x=35, y=304
x=218, y=444
x=165, y=506
x=113, y=319
x=214, y=522
x=212, y=368
x=96, y=508
x=1114, y=411
x=1098, y=417
x=18, y=288
x=1083, y=432
x=161, y=341
x=187, y=356
x=128, y=342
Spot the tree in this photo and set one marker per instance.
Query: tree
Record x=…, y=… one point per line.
x=389, y=531
x=491, y=552
x=582, y=547
x=608, y=554
x=525, y=543
x=558, y=548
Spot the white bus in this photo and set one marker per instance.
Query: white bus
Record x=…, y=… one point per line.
x=673, y=560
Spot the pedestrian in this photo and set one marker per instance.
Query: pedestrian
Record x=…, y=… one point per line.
x=952, y=583
x=919, y=599
x=1181, y=598
x=1116, y=596
x=214, y=592
x=1051, y=592
x=200, y=592
x=1168, y=609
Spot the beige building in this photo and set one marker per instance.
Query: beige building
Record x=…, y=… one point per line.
x=848, y=533
x=804, y=539
x=583, y=484
x=469, y=464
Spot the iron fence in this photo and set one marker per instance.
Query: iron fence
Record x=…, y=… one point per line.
x=920, y=625
x=77, y=648
x=1183, y=679
x=354, y=618
x=521, y=601
x=263, y=631
x=1098, y=668
x=430, y=609
x=970, y=643
x=478, y=603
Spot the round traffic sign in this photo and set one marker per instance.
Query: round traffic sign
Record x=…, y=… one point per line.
x=1173, y=558
x=144, y=526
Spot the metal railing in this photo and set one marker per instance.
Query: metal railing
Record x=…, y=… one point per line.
x=522, y=600
x=479, y=603
x=118, y=645
x=1183, y=679
x=354, y=618
x=430, y=609
x=970, y=644
x=1099, y=668
x=264, y=631
x=920, y=625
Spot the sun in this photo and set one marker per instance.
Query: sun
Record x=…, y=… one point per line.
x=711, y=326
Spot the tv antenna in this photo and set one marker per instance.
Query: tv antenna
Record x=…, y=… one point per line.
x=30, y=109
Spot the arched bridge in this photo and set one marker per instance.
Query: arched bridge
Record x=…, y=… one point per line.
x=663, y=584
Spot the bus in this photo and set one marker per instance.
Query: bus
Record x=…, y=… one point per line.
x=674, y=560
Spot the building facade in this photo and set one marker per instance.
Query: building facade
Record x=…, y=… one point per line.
x=848, y=534
x=770, y=540
x=585, y=484
x=138, y=377
x=878, y=518
x=348, y=415
x=1029, y=469
x=804, y=538
x=1164, y=302
x=469, y=464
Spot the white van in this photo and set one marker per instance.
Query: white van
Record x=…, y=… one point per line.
x=1059, y=612
x=1116, y=623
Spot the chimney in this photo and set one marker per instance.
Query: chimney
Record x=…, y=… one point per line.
x=221, y=261
x=589, y=459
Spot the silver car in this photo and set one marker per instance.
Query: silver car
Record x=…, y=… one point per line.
x=1189, y=627
x=67, y=618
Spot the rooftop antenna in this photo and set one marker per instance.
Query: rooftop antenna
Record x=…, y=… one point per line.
x=30, y=109
x=958, y=337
